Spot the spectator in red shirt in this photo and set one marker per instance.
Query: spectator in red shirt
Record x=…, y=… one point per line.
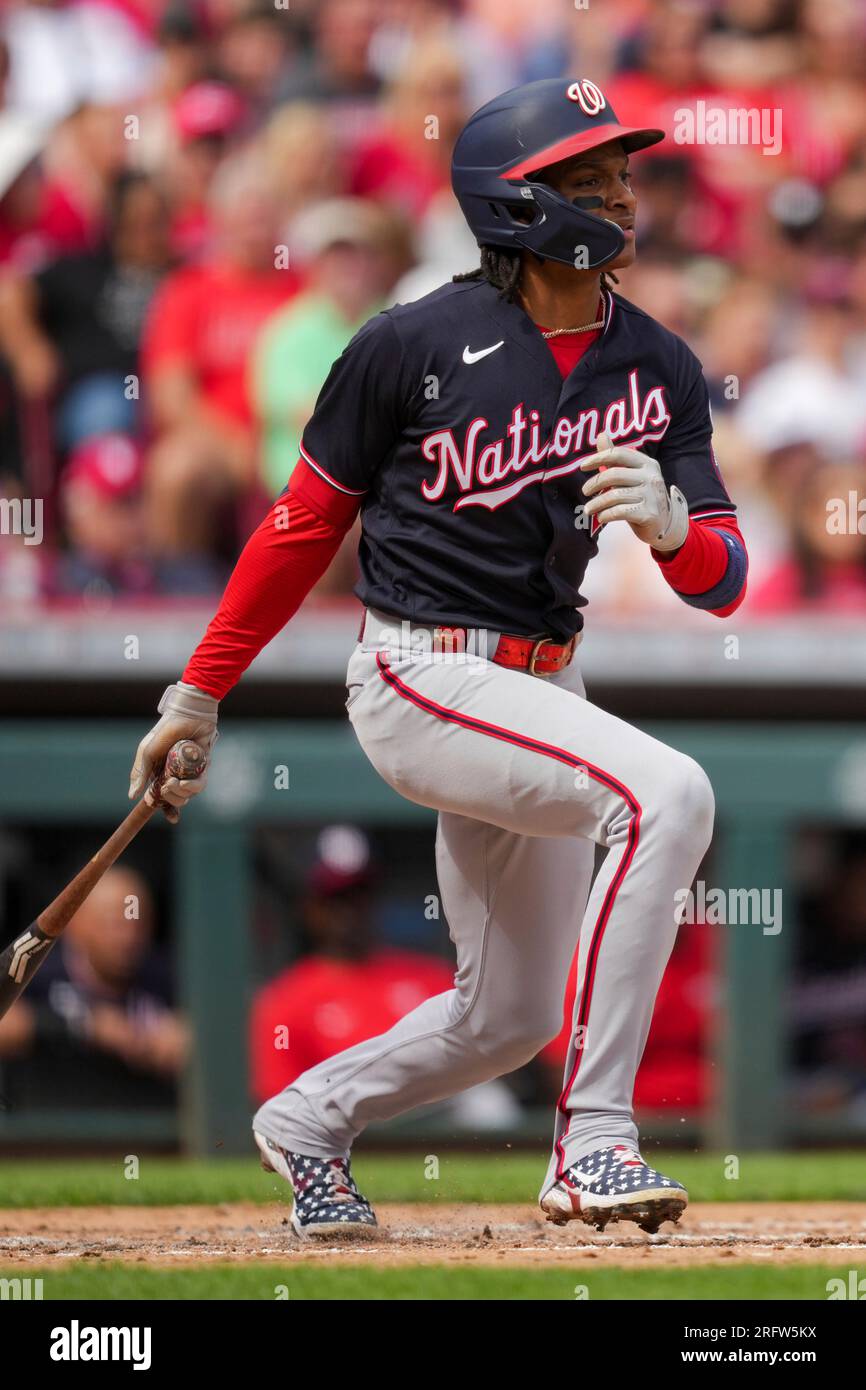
x=197, y=341
x=24, y=240
x=407, y=163
x=825, y=571
x=100, y=504
x=672, y=66
x=205, y=119
x=84, y=157
x=348, y=988
x=40, y=217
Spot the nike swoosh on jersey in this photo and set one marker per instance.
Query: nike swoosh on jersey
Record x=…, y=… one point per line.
x=470, y=357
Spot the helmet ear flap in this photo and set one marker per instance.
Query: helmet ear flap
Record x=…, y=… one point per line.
x=566, y=229
x=515, y=215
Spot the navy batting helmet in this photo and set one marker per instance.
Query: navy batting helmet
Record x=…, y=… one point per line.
x=507, y=141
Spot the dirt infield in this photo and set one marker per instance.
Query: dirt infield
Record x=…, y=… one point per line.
x=709, y=1233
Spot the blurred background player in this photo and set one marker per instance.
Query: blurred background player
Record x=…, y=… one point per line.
x=98, y=1027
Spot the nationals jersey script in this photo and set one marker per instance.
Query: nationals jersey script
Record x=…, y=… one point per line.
x=450, y=420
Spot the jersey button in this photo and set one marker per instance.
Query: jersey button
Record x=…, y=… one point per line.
x=554, y=492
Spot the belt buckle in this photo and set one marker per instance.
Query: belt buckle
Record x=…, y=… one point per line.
x=534, y=654
x=545, y=642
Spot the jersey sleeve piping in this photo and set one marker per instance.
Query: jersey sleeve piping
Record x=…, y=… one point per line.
x=323, y=473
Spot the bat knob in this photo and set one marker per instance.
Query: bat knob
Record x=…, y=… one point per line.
x=186, y=760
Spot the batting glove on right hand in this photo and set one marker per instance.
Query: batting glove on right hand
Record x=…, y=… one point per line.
x=629, y=486
x=186, y=713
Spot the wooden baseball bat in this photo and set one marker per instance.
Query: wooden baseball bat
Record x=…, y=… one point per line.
x=23, y=956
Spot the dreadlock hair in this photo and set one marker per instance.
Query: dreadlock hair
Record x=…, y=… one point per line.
x=501, y=269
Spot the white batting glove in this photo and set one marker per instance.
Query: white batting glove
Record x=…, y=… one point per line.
x=629, y=486
x=186, y=713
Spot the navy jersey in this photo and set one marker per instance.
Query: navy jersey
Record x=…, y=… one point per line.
x=450, y=422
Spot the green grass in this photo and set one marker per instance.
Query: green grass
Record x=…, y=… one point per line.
x=112, y=1281
x=463, y=1177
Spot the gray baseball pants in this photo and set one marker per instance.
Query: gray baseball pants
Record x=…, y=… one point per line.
x=527, y=777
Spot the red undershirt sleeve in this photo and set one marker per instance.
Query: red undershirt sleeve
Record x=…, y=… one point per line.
x=702, y=568
x=284, y=557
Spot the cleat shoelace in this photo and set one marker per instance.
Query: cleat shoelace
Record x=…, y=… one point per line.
x=618, y=1169
x=629, y=1157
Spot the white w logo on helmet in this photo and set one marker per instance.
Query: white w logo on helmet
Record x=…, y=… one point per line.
x=589, y=97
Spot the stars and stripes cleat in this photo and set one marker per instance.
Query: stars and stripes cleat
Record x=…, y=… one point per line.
x=614, y=1184
x=327, y=1202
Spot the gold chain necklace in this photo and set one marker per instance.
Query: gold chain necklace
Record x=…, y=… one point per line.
x=585, y=328
x=560, y=332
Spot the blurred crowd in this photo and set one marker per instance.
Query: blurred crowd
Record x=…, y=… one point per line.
x=201, y=202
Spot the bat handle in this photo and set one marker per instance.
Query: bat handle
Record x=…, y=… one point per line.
x=185, y=760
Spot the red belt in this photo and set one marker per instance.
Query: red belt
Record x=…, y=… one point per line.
x=540, y=656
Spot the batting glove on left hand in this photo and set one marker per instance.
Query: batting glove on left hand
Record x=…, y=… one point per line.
x=187, y=712
x=629, y=487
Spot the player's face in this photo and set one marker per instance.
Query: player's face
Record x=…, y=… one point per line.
x=601, y=173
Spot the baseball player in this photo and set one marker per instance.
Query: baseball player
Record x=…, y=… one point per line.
x=487, y=434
